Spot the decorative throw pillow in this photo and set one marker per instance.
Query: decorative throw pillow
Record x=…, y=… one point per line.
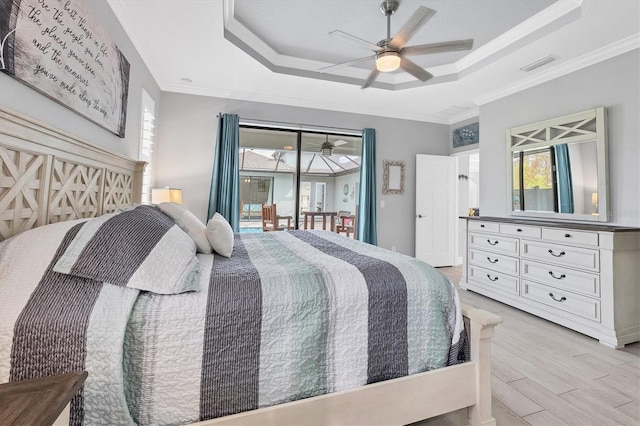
x=220, y=235
x=140, y=248
x=189, y=223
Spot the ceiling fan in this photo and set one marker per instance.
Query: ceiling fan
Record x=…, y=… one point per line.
x=327, y=147
x=391, y=53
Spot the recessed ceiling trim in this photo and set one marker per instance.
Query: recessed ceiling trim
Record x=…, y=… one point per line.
x=241, y=36
x=544, y=22
x=237, y=33
x=614, y=49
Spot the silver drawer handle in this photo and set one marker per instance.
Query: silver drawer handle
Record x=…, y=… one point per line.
x=493, y=244
x=557, y=255
x=557, y=278
x=492, y=261
x=492, y=279
x=562, y=299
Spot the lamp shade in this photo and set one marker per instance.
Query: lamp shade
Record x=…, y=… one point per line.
x=594, y=198
x=166, y=195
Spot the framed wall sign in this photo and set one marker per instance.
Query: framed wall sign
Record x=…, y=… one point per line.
x=58, y=48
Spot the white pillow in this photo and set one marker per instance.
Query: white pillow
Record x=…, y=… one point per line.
x=189, y=223
x=220, y=235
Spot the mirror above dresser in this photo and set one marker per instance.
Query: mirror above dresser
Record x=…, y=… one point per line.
x=558, y=168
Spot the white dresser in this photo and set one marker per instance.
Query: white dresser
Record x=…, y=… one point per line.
x=582, y=276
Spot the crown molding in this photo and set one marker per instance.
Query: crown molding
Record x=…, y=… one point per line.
x=129, y=26
x=558, y=13
x=471, y=113
x=301, y=103
x=607, y=52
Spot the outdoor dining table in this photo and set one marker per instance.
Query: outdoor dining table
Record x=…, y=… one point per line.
x=324, y=214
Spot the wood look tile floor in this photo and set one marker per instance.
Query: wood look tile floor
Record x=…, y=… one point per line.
x=546, y=374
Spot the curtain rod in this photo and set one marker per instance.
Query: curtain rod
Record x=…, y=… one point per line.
x=299, y=126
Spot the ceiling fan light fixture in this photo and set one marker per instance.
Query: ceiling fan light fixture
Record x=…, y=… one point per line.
x=326, y=149
x=388, y=61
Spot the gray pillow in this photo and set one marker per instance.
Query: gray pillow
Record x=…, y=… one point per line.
x=140, y=248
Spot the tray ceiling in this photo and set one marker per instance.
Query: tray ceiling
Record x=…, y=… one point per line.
x=271, y=50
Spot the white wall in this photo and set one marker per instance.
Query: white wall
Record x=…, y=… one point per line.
x=613, y=84
x=185, y=145
x=340, y=182
x=25, y=100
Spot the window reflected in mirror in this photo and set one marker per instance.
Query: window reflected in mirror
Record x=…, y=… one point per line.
x=558, y=168
x=560, y=178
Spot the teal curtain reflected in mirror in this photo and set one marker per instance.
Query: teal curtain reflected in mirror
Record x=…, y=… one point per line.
x=565, y=185
x=366, y=231
x=224, y=197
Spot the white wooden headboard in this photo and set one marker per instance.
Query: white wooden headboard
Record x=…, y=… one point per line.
x=47, y=176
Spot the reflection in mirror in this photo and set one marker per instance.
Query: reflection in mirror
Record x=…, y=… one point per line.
x=393, y=179
x=560, y=178
x=559, y=167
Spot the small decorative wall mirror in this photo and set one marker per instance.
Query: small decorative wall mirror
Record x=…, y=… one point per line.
x=393, y=180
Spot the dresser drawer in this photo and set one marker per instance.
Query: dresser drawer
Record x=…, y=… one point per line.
x=476, y=225
x=570, y=236
x=573, y=257
x=562, y=300
x=520, y=230
x=562, y=278
x=493, y=261
x=495, y=280
x=494, y=243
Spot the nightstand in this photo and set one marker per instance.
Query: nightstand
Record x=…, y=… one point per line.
x=43, y=401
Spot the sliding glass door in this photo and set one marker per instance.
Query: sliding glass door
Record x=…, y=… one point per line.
x=308, y=174
x=330, y=166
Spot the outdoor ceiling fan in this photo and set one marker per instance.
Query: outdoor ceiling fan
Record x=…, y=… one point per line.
x=327, y=147
x=391, y=53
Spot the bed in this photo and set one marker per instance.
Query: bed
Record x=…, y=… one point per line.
x=302, y=327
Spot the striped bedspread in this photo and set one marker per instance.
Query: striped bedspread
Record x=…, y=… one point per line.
x=290, y=315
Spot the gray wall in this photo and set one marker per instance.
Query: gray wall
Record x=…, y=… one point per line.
x=613, y=84
x=23, y=99
x=186, y=139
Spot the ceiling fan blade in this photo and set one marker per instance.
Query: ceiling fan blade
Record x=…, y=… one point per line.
x=371, y=78
x=355, y=40
x=447, y=46
x=336, y=67
x=340, y=142
x=415, y=70
x=419, y=18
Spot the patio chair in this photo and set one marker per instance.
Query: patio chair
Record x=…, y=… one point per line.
x=346, y=223
x=271, y=220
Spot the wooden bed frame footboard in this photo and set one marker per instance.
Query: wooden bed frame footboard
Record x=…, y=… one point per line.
x=399, y=401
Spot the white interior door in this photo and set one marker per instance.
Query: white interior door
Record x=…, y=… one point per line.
x=436, y=200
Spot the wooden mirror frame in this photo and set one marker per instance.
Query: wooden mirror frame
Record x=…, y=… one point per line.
x=393, y=179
